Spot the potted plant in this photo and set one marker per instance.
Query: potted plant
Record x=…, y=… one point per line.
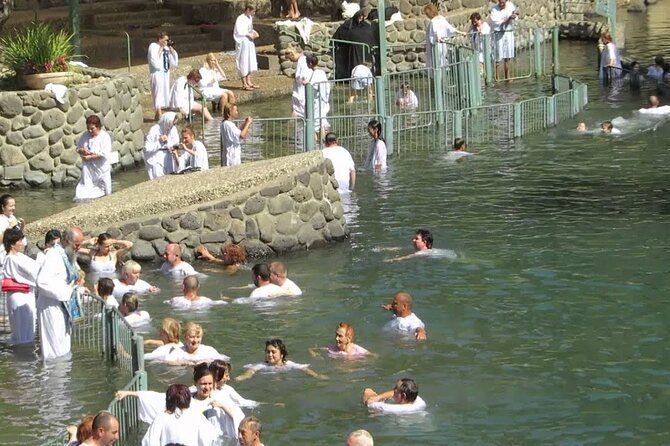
x=38, y=55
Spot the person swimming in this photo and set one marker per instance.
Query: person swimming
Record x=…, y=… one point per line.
x=606, y=128
x=581, y=127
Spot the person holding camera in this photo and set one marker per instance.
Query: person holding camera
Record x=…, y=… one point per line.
x=161, y=56
x=161, y=137
x=232, y=136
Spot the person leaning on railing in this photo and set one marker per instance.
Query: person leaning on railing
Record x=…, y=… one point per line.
x=182, y=95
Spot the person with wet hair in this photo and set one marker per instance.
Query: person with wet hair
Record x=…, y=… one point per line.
x=343, y=163
x=261, y=275
x=376, y=159
x=276, y=360
x=130, y=309
x=279, y=276
x=105, y=254
x=191, y=299
x=249, y=433
x=178, y=424
x=104, y=430
x=19, y=274
x=130, y=281
x=404, y=320
x=404, y=395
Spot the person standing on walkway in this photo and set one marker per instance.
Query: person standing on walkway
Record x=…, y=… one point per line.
x=232, y=136
x=55, y=287
x=161, y=56
x=503, y=16
x=610, y=59
x=302, y=76
x=245, y=48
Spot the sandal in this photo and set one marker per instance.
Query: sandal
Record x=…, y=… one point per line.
x=247, y=88
x=255, y=86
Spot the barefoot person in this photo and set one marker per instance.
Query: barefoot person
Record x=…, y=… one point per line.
x=162, y=56
x=232, y=136
x=245, y=49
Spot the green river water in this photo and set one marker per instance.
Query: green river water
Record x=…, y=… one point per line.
x=549, y=326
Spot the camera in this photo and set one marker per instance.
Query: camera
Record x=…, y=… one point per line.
x=170, y=42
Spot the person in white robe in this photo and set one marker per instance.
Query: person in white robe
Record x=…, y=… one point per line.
x=95, y=149
x=319, y=82
x=478, y=29
x=232, y=136
x=8, y=220
x=438, y=33
x=245, y=48
x=130, y=281
x=180, y=424
x=212, y=74
x=302, y=75
x=182, y=95
x=610, y=59
x=503, y=16
x=161, y=58
x=161, y=137
x=195, y=150
x=22, y=271
x=55, y=285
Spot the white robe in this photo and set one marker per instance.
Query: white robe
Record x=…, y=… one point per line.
x=52, y=291
x=209, y=84
x=503, y=36
x=439, y=30
x=188, y=428
x=181, y=96
x=245, y=49
x=159, y=77
x=321, y=86
x=21, y=306
x=302, y=75
x=96, y=175
x=156, y=155
x=231, y=142
x=200, y=159
x=139, y=287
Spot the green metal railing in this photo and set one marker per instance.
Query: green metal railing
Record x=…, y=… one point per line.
x=272, y=138
x=104, y=330
x=420, y=131
x=127, y=409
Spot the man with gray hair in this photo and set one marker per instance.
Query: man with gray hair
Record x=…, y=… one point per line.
x=361, y=437
x=55, y=287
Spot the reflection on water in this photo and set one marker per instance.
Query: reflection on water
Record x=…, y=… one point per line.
x=550, y=327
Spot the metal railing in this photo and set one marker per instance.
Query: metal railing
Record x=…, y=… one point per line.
x=105, y=331
x=126, y=410
x=417, y=132
x=272, y=138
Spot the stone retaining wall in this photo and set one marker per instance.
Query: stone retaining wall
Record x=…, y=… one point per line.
x=269, y=206
x=38, y=135
x=409, y=36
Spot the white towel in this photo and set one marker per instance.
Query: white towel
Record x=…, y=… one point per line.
x=349, y=9
x=59, y=91
x=304, y=27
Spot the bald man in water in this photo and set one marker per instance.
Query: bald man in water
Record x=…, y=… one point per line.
x=403, y=318
x=360, y=437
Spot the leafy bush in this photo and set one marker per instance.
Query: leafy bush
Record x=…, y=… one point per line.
x=37, y=49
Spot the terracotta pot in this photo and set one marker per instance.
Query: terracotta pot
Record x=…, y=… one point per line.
x=38, y=81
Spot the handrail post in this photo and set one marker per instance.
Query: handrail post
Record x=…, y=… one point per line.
x=488, y=59
x=380, y=81
x=551, y=111
x=458, y=123
x=383, y=45
x=388, y=134
x=518, y=129
x=554, y=49
x=309, y=117
x=438, y=89
x=137, y=355
x=475, y=80
x=537, y=50
x=128, y=48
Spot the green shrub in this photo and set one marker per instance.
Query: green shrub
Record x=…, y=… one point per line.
x=37, y=49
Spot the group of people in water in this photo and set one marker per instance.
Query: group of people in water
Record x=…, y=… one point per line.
x=211, y=410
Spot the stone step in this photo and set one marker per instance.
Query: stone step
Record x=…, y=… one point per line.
x=105, y=7
x=142, y=18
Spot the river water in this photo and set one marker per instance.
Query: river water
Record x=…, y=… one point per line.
x=549, y=326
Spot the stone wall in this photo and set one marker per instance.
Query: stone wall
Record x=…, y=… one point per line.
x=409, y=36
x=38, y=135
x=269, y=206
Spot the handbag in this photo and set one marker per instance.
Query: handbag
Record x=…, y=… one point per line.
x=10, y=285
